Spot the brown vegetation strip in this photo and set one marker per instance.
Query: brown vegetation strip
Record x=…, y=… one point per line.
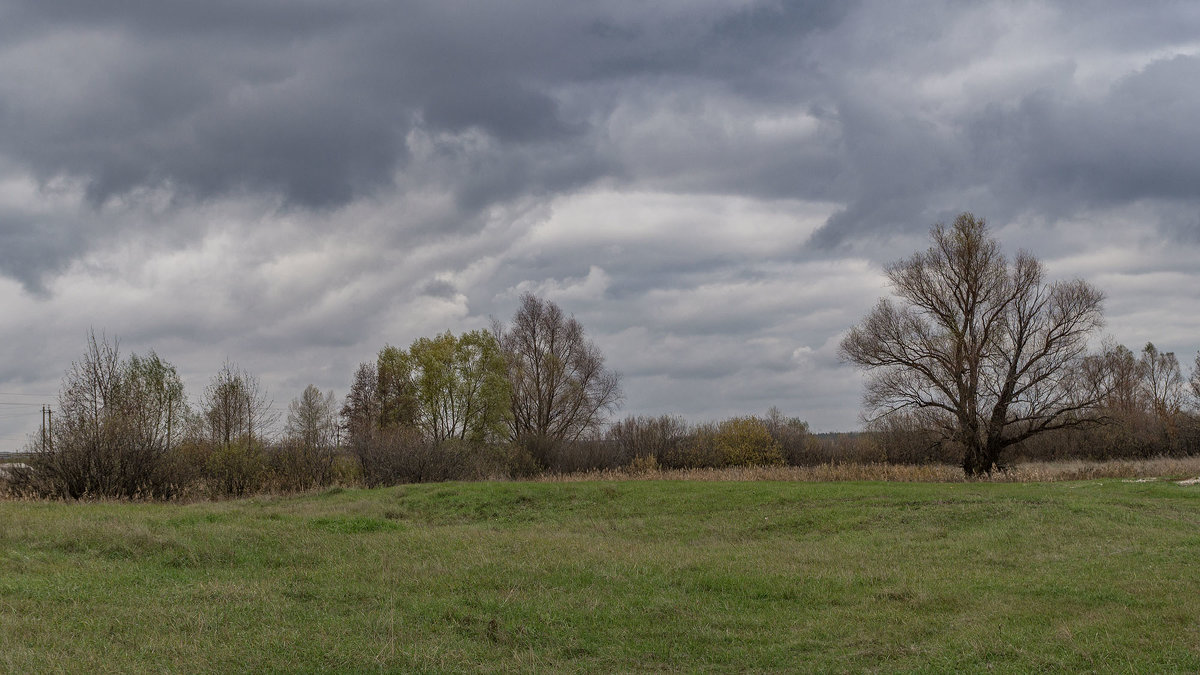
x=1166, y=468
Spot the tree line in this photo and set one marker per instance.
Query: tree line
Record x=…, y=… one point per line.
x=487, y=402
x=978, y=360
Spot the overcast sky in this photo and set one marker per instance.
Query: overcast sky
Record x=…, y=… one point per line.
x=712, y=187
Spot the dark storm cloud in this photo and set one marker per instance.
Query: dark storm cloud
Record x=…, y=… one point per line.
x=122, y=110
x=307, y=100
x=1136, y=142
x=32, y=247
x=438, y=288
x=316, y=102
x=710, y=185
x=1037, y=143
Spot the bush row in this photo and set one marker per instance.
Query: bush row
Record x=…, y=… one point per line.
x=116, y=465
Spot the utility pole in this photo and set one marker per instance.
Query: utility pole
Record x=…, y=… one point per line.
x=43, y=428
x=50, y=427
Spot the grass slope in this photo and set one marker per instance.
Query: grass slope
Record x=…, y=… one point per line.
x=632, y=576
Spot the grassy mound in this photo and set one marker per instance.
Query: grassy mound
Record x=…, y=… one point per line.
x=612, y=576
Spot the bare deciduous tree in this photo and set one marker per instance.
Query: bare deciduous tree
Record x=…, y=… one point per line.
x=312, y=419
x=1123, y=374
x=112, y=434
x=361, y=409
x=792, y=435
x=236, y=408
x=1194, y=381
x=656, y=437
x=1164, y=385
x=91, y=388
x=560, y=387
x=985, y=350
x=309, y=449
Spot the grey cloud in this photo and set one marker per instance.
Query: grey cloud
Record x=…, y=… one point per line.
x=314, y=102
x=1183, y=225
x=344, y=174
x=1136, y=143
x=33, y=247
x=508, y=111
x=276, y=21
x=1053, y=152
x=535, y=171
x=438, y=288
x=162, y=119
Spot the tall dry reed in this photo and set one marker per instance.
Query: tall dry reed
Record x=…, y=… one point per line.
x=1162, y=468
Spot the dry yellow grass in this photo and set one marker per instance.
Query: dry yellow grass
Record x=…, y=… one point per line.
x=1159, y=468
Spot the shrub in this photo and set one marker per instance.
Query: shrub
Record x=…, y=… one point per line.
x=655, y=437
x=696, y=450
x=236, y=469
x=902, y=439
x=517, y=461
x=298, y=465
x=746, y=441
x=795, y=442
x=585, y=454
x=404, y=456
x=589, y=454
x=850, y=448
x=111, y=463
x=457, y=459
x=382, y=459
x=643, y=464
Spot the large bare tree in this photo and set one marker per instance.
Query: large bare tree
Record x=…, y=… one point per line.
x=560, y=387
x=983, y=349
x=1194, y=381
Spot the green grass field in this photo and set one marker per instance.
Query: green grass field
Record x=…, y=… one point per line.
x=612, y=576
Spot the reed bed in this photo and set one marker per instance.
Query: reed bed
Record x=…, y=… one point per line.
x=1161, y=468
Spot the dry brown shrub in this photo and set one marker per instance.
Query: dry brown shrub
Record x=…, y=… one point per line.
x=644, y=464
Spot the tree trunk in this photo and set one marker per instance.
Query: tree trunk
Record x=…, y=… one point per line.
x=975, y=461
x=980, y=457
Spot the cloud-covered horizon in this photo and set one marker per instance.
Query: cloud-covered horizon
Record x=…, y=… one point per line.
x=711, y=187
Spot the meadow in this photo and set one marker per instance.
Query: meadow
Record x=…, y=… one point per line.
x=613, y=575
